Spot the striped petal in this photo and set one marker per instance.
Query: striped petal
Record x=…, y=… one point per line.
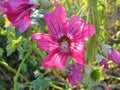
x=45, y=41
x=77, y=51
x=79, y=30
x=55, y=59
x=56, y=21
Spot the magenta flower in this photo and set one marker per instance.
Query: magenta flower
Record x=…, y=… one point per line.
x=74, y=74
x=111, y=54
x=18, y=12
x=66, y=38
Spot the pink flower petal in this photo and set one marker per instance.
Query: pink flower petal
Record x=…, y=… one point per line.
x=45, y=41
x=75, y=82
x=114, y=56
x=3, y=7
x=56, y=21
x=23, y=21
x=55, y=59
x=77, y=51
x=79, y=30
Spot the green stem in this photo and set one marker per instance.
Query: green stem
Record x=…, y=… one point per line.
x=56, y=87
x=19, y=68
x=82, y=10
x=114, y=77
x=57, y=76
x=6, y=76
x=3, y=63
x=93, y=41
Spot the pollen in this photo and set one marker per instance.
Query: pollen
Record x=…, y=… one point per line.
x=64, y=46
x=64, y=43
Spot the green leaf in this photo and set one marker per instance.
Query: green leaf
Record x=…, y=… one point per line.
x=2, y=21
x=104, y=35
x=118, y=35
x=11, y=47
x=40, y=83
x=37, y=20
x=3, y=84
x=20, y=86
x=96, y=74
x=17, y=32
x=24, y=68
x=1, y=52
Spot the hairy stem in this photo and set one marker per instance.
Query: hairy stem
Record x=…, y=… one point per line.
x=93, y=41
x=19, y=68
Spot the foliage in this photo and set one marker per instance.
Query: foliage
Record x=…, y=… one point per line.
x=14, y=48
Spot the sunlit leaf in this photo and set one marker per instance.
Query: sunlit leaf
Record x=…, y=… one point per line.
x=12, y=46
x=7, y=22
x=96, y=74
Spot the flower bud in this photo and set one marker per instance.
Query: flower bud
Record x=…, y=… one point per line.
x=111, y=54
x=106, y=48
x=102, y=61
x=114, y=56
x=44, y=4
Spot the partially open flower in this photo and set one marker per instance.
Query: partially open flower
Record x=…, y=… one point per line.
x=18, y=12
x=112, y=54
x=104, y=63
x=74, y=74
x=101, y=60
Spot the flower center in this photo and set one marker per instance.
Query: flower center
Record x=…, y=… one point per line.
x=64, y=44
